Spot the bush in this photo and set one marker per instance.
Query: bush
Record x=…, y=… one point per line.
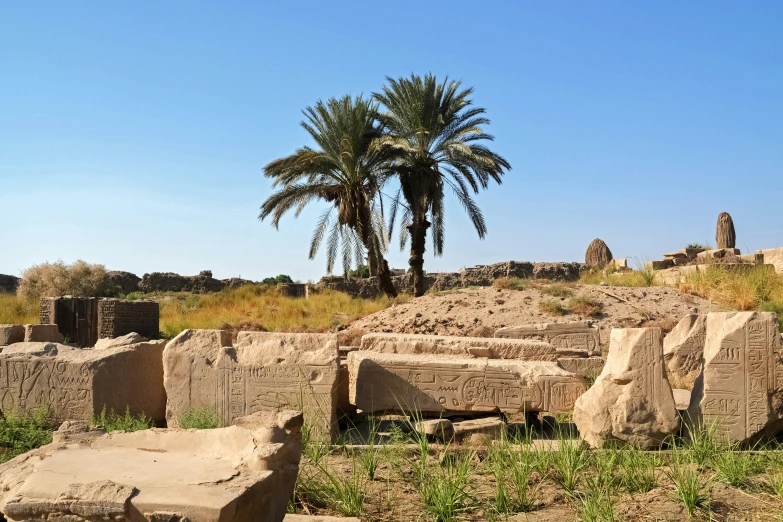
x=24, y=431
x=79, y=279
x=587, y=306
x=511, y=283
x=200, y=418
x=362, y=272
x=552, y=308
x=113, y=421
x=282, y=278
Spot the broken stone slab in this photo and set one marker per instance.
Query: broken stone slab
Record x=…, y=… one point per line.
x=414, y=344
x=774, y=257
x=740, y=390
x=578, y=335
x=439, y=429
x=264, y=372
x=124, y=340
x=480, y=431
x=683, y=347
x=682, y=398
x=436, y=384
x=75, y=384
x=240, y=473
x=676, y=255
x=11, y=333
x=631, y=401
x=718, y=253
x=42, y=333
x=661, y=264
x=586, y=367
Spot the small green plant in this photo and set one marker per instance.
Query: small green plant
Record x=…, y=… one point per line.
x=701, y=443
x=444, y=488
x=688, y=489
x=735, y=468
x=551, y=307
x=315, y=445
x=113, y=421
x=200, y=418
x=646, y=272
x=513, y=469
x=697, y=245
x=637, y=470
x=344, y=493
x=557, y=290
x=587, y=306
x=596, y=504
x=569, y=461
x=21, y=432
x=776, y=484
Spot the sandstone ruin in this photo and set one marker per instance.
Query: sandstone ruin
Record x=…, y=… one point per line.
x=683, y=347
x=584, y=366
x=42, y=333
x=740, y=390
x=412, y=344
x=11, y=333
x=631, y=401
x=579, y=336
x=437, y=384
x=79, y=383
x=241, y=473
x=263, y=372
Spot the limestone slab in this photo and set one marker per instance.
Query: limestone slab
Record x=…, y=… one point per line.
x=11, y=333
x=740, y=389
x=440, y=429
x=586, y=367
x=263, y=372
x=684, y=345
x=77, y=383
x=480, y=430
x=579, y=335
x=42, y=333
x=432, y=383
x=631, y=401
x=241, y=473
x=413, y=344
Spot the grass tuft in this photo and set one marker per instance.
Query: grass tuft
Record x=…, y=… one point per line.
x=551, y=307
x=587, y=306
x=200, y=418
x=557, y=290
x=113, y=421
x=511, y=283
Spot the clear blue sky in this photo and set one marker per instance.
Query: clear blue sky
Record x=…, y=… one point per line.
x=134, y=134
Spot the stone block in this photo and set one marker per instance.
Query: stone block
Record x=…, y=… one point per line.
x=11, y=333
x=42, y=333
x=631, y=401
x=118, y=317
x=414, y=344
x=662, y=264
x=774, y=257
x=718, y=253
x=241, y=473
x=263, y=372
x=740, y=389
x=682, y=398
x=436, y=384
x=439, y=429
x=676, y=255
x=578, y=335
x=480, y=430
x=619, y=264
x=78, y=383
x=586, y=367
x=683, y=347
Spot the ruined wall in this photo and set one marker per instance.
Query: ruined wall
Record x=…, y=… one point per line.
x=117, y=317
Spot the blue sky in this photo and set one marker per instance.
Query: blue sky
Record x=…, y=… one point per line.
x=134, y=134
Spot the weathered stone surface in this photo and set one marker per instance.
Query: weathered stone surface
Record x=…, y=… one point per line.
x=631, y=401
x=725, y=236
x=263, y=372
x=579, y=335
x=11, y=333
x=719, y=253
x=682, y=398
x=521, y=349
x=774, y=257
x=125, y=340
x=440, y=429
x=598, y=254
x=661, y=264
x=619, y=264
x=684, y=345
x=480, y=430
x=432, y=383
x=586, y=367
x=78, y=383
x=42, y=333
x=740, y=389
x=241, y=473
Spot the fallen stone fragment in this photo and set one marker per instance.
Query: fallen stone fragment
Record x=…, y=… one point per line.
x=125, y=340
x=631, y=401
x=579, y=335
x=42, y=333
x=683, y=347
x=437, y=384
x=263, y=372
x=586, y=367
x=77, y=384
x=480, y=430
x=682, y=398
x=11, y=333
x=241, y=473
x=740, y=389
x=440, y=429
x=415, y=344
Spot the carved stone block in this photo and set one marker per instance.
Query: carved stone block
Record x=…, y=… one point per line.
x=584, y=366
x=580, y=335
x=522, y=349
x=683, y=346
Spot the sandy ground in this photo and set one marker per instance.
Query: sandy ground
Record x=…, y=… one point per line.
x=480, y=311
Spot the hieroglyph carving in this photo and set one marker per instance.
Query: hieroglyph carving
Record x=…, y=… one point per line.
x=66, y=389
x=563, y=336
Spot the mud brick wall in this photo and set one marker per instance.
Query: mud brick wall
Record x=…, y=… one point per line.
x=46, y=314
x=117, y=317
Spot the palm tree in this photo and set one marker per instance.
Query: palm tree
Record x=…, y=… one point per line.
x=347, y=171
x=436, y=135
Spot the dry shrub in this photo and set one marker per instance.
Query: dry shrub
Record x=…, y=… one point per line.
x=557, y=290
x=80, y=279
x=481, y=331
x=666, y=325
x=552, y=307
x=587, y=306
x=244, y=326
x=350, y=337
x=511, y=283
x=741, y=289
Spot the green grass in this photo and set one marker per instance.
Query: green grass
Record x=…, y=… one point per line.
x=127, y=422
x=445, y=487
x=513, y=469
x=736, y=468
x=24, y=431
x=200, y=418
x=569, y=462
x=688, y=487
x=637, y=470
x=557, y=290
x=552, y=307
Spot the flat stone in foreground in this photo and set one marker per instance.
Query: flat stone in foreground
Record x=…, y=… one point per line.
x=578, y=335
x=433, y=383
x=241, y=473
x=418, y=344
x=740, y=390
x=263, y=372
x=631, y=401
x=78, y=383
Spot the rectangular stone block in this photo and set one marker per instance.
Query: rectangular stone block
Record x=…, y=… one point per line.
x=263, y=372
x=774, y=257
x=579, y=335
x=77, y=383
x=739, y=391
x=432, y=383
x=584, y=366
x=42, y=333
x=11, y=333
x=522, y=349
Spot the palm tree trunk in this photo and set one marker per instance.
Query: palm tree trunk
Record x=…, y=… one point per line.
x=418, y=233
x=380, y=268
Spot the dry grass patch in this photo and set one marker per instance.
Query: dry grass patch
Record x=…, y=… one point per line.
x=552, y=307
x=511, y=283
x=587, y=306
x=557, y=290
x=18, y=310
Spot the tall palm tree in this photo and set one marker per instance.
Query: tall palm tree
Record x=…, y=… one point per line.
x=436, y=135
x=346, y=170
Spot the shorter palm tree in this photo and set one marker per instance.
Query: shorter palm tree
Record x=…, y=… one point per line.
x=346, y=171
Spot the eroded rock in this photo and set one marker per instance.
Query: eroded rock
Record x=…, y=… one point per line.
x=584, y=366
x=413, y=344
x=11, y=333
x=631, y=401
x=683, y=347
